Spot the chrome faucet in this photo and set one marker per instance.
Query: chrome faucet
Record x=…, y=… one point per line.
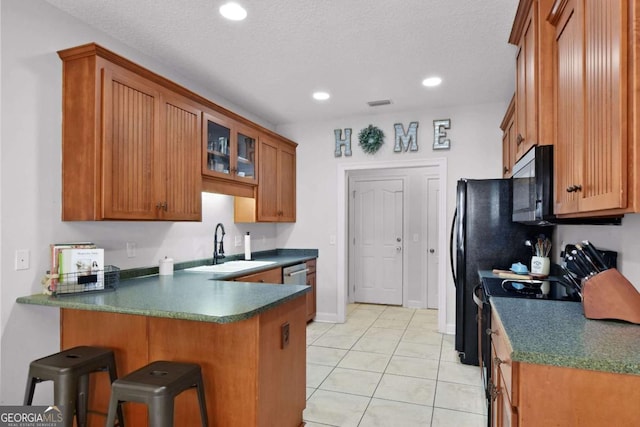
x=218, y=251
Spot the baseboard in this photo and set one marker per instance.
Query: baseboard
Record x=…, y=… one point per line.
x=326, y=318
x=451, y=329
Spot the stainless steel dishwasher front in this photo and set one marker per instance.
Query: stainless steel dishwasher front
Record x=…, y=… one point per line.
x=295, y=274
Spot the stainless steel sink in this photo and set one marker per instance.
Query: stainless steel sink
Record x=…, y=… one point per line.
x=230, y=266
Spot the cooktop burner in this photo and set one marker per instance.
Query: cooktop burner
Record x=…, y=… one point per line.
x=540, y=289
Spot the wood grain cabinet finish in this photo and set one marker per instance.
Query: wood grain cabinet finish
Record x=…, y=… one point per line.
x=275, y=197
x=534, y=90
x=231, y=168
x=269, y=276
x=129, y=145
x=311, y=296
x=528, y=394
x=592, y=128
x=508, y=127
x=250, y=377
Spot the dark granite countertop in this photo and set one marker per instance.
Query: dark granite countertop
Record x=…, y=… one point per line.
x=189, y=295
x=557, y=333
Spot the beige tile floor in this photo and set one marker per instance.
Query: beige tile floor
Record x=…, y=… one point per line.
x=388, y=367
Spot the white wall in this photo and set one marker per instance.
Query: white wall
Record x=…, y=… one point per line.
x=623, y=239
x=30, y=185
x=475, y=153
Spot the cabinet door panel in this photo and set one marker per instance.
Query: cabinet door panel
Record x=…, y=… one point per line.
x=268, y=186
x=287, y=184
x=605, y=166
x=570, y=109
x=181, y=160
x=131, y=121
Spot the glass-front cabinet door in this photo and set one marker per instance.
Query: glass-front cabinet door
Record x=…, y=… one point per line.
x=229, y=149
x=246, y=154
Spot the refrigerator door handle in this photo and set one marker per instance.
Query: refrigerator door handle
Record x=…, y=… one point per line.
x=453, y=226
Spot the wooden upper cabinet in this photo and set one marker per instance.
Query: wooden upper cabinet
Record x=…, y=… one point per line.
x=591, y=147
x=130, y=146
x=275, y=197
x=534, y=90
x=508, y=140
x=182, y=180
x=229, y=150
x=277, y=190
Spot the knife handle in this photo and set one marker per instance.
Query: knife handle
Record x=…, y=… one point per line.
x=595, y=254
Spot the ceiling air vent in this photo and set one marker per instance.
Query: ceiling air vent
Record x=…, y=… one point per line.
x=379, y=103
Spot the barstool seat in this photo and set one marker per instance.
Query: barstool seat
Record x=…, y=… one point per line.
x=156, y=385
x=69, y=370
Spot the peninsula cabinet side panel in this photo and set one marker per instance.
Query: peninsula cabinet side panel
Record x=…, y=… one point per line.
x=227, y=354
x=282, y=380
x=554, y=396
x=126, y=335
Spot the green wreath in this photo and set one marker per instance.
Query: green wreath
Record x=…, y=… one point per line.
x=371, y=138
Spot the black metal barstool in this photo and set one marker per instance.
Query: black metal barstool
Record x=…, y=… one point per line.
x=156, y=385
x=69, y=370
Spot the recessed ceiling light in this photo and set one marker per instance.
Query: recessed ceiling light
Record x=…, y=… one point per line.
x=233, y=11
x=432, y=81
x=321, y=96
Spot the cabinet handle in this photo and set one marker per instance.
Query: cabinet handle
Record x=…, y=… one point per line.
x=162, y=206
x=574, y=188
x=497, y=361
x=494, y=391
x=519, y=139
x=505, y=169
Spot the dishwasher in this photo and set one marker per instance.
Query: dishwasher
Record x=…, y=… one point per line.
x=295, y=274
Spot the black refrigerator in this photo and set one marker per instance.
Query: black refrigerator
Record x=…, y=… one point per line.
x=483, y=237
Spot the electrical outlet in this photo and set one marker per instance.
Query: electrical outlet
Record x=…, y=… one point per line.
x=284, y=335
x=22, y=259
x=238, y=241
x=131, y=249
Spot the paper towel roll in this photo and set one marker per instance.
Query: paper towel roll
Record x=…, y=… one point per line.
x=166, y=266
x=247, y=246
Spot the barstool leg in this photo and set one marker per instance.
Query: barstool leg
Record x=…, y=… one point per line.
x=61, y=388
x=31, y=387
x=203, y=410
x=82, y=401
x=113, y=375
x=161, y=412
x=114, y=406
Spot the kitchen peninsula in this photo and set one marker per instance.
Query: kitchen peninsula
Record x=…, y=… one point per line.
x=249, y=339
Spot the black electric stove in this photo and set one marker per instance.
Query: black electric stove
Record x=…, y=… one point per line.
x=549, y=289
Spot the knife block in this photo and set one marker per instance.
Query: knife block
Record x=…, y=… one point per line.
x=609, y=295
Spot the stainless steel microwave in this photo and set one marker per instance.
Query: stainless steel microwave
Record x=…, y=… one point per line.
x=533, y=199
x=533, y=187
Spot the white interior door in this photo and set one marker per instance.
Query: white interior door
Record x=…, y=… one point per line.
x=377, y=241
x=433, y=256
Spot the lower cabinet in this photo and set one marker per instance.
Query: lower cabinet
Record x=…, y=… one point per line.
x=269, y=276
x=311, y=296
x=527, y=394
x=251, y=376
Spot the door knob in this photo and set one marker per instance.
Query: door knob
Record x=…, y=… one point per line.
x=398, y=248
x=431, y=250
x=398, y=239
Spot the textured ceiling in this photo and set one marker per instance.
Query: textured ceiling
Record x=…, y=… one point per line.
x=358, y=50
